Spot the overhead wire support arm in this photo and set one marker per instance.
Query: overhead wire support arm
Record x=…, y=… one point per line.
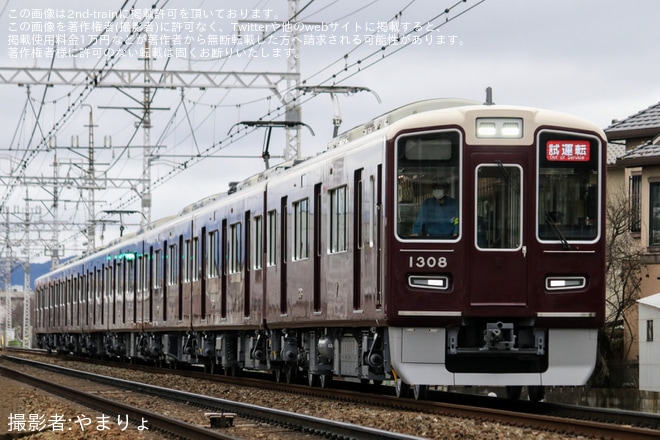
x=333, y=91
x=269, y=125
x=138, y=78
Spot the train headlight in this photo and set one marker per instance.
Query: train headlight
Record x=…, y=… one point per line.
x=565, y=283
x=429, y=282
x=499, y=128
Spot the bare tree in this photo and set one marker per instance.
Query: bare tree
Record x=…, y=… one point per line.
x=623, y=276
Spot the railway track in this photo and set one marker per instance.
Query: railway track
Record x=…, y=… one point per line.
x=574, y=420
x=310, y=426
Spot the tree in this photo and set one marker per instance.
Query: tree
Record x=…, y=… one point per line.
x=622, y=276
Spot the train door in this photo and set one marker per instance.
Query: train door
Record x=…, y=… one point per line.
x=499, y=251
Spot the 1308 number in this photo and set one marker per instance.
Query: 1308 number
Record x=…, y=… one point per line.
x=422, y=262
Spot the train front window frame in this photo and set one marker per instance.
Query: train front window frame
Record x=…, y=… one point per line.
x=426, y=162
x=499, y=207
x=568, y=188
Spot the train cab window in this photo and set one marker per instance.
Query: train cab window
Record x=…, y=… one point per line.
x=568, y=192
x=428, y=185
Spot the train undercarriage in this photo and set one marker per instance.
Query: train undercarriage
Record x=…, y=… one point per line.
x=319, y=355
x=491, y=354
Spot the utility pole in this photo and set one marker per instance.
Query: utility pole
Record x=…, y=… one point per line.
x=91, y=181
x=55, y=254
x=27, y=325
x=145, y=193
x=293, y=111
x=8, y=324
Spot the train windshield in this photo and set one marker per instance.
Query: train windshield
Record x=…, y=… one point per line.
x=568, y=191
x=428, y=196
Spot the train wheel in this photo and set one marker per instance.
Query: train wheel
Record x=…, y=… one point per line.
x=290, y=374
x=513, y=392
x=278, y=375
x=312, y=379
x=326, y=380
x=402, y=389
x=536, y=393
x=421, y=392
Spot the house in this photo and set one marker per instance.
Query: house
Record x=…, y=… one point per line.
x=634, y=176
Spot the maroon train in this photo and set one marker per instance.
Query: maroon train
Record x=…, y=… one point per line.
x=332, y=267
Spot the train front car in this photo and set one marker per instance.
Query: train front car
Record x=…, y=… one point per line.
x=496, y=251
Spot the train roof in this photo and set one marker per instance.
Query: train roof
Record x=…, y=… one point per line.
x=389, y=118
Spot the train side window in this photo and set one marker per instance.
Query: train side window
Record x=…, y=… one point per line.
x=258, y=242
x=194, y=259
x=338, y=226
x=144, y=270
x=301, y=229
x=172, y=266
x=213, y=260
x=185, y=260
x=158, y=269
x=234, y=248
x=271, y=244
x=139, y=284
x=130, y=275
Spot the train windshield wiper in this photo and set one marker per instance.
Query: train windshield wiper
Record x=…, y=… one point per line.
x=551, y=222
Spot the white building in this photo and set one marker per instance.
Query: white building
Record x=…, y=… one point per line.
x=649, y=344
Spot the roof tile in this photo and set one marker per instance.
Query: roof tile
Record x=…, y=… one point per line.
x=646, y=119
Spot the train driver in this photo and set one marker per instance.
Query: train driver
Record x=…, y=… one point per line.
x=438, y=215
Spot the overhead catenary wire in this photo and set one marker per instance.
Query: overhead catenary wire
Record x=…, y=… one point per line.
x=336, y=78
x=328, y=75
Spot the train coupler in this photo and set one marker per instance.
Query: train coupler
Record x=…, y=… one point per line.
x=499, y=336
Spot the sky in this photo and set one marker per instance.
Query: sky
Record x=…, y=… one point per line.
x=597, y=59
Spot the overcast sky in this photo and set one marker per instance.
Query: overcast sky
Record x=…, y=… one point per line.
x=598, y=59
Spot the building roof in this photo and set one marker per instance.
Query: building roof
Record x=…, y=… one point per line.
x=645, y=123
x=652, y=301
x=646, y=154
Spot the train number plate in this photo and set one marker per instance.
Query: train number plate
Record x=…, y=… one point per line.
x=429, y=261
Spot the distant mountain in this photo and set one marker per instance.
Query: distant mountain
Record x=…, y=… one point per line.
x=18, y=274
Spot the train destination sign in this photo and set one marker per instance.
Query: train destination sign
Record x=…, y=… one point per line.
x=567, y=151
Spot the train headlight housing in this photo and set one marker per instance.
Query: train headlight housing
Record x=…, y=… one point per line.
x=499, y=128
x=556, y=283
x=429, y=282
